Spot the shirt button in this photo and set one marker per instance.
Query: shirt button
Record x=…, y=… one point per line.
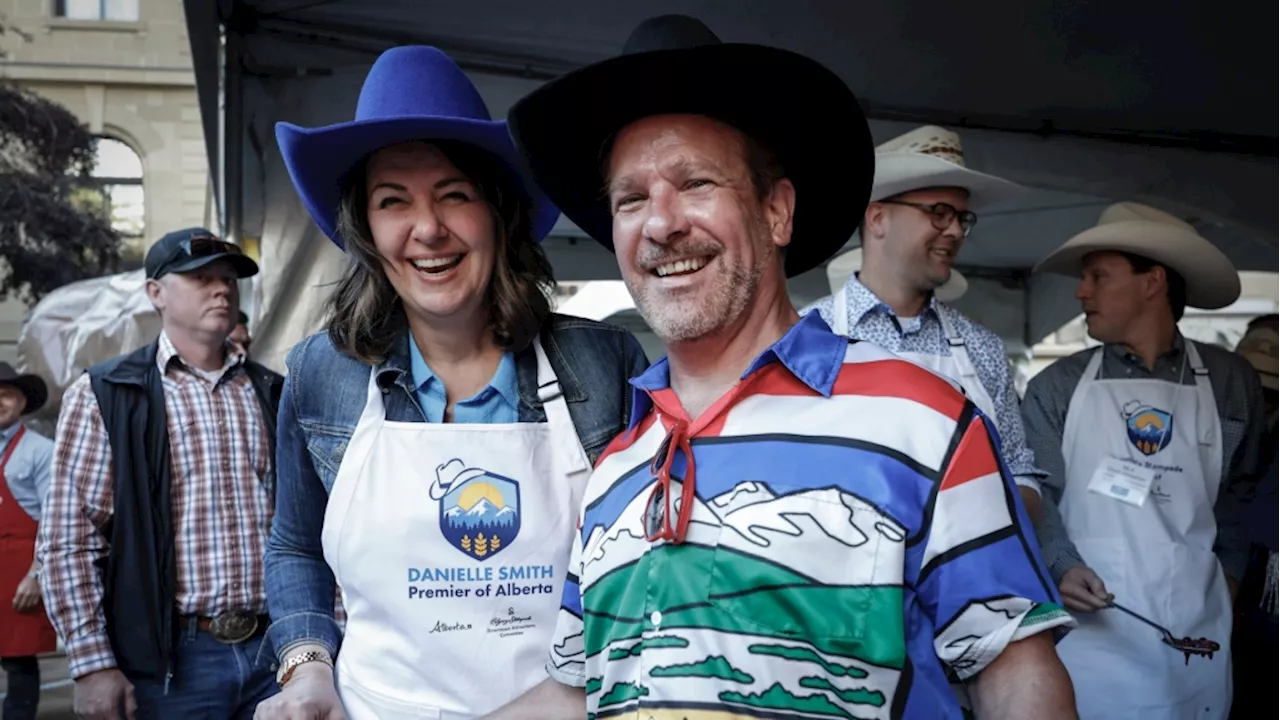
x=656, y=618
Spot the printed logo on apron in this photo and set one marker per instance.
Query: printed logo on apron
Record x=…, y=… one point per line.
x=1150, y=429
x=479, y=510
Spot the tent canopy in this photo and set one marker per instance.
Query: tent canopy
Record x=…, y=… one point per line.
x=1172, y=104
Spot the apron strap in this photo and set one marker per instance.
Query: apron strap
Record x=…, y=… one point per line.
x=840, y=313
x=568, y=449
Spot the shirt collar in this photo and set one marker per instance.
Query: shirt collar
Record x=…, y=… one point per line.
x=809, y=350
x=1173, y=354
x=166, y=353
x=504, y=380
x=861, y=301
x=7, y=435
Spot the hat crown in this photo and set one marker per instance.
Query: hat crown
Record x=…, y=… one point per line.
x=929, y=140
x=418, y=81
x=1137, y=212
x=669, y=32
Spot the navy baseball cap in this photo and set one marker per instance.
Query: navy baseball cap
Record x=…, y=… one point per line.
x=182, y=251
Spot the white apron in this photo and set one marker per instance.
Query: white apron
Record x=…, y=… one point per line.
x=1157, y=559
x=450, y=543
x=956, y=367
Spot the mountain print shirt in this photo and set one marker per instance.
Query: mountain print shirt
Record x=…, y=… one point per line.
x=854, y=544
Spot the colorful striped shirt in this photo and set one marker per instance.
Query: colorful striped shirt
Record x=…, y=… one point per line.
x=855, y=544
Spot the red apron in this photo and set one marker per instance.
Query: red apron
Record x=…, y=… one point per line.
x=21, y=634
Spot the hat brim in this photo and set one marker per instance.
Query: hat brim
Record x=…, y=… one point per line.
x=843, y=266
x=810, y=120
x=33, y=388
x=242, y=264
x=1212, y=281
x=898, y=173
x=319, y=159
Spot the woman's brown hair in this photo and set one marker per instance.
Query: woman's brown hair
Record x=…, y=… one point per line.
x=366, y=317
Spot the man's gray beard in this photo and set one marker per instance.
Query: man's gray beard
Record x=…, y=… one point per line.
x=675, y=322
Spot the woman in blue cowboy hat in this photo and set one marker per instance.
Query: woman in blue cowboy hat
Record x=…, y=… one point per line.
x=435, y=440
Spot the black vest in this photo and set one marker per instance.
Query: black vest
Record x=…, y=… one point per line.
x=140, y=576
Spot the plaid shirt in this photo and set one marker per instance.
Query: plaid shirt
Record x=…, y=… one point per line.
x=222, y=503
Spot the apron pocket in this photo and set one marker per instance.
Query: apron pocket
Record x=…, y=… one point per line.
x=802, y=569
x=362, y=702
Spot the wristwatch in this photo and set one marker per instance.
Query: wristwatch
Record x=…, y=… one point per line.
x=286, y=669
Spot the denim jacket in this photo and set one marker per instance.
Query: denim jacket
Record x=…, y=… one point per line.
x=324, y=395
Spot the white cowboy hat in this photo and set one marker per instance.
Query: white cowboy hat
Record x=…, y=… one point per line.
x=843, y=266
x=930, y=157
x=1259, y=347
x=1212, y=281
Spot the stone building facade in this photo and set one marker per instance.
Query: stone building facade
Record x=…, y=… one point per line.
x=124, y=68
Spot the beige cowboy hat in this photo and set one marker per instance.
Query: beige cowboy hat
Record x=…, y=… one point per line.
x=1259, y=346
x=930, y=157
x=843, y=266
x=1212, y=281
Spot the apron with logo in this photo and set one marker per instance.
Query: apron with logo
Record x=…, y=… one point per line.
x=451, y=544
x=29, y=633
x=1158, y=558
x=956, y=367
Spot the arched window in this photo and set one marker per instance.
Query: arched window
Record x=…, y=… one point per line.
x=115, y=190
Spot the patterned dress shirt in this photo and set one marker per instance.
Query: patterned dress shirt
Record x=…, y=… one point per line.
x=222, y=503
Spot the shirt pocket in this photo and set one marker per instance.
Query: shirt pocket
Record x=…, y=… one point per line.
x=327, y=447
x=804, y=566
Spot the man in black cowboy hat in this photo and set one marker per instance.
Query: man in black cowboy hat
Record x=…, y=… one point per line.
x=25, y=457
x=160, y=505
x=793, y=523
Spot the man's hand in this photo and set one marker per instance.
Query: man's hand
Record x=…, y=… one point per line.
x=27, y=598
x=308, y=695
x=1083, y=591
x=104, y=695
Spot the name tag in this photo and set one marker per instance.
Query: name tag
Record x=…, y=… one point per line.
x=1122, y=480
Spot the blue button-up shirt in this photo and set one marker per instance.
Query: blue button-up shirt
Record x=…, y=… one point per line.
x=27, y=472
x=498, y=402
x=872, y=320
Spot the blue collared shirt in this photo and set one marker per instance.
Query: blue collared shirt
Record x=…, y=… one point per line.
x=497, y=403
x=27, y=473
x=872, y=320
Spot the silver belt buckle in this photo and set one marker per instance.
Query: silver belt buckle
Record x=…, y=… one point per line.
x=233, y=627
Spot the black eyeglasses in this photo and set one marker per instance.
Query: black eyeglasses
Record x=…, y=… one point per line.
x=198, y=246
x=942, y=215
x=658, y=514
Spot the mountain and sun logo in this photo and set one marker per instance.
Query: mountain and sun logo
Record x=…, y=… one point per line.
x=479, y=510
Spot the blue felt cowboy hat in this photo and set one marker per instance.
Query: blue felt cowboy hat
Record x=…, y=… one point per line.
x=411, y=93
x=792, y=105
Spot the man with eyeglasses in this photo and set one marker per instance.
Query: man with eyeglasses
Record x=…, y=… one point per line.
x=922, y=208
x=793, y=525
x=160, y=504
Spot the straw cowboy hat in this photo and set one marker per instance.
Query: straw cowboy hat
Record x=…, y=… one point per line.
x=1259, y=346
x=792, y=105
x=31, y=386
x=411, y=93
x=931, y=157
x=843, y=266
x=1212, y=281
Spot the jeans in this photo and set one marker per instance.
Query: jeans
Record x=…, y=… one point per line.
x=23, y=695
x=211, y=681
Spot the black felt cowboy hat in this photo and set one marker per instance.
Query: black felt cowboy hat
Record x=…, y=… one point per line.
x=673, y=64
x=32, y=386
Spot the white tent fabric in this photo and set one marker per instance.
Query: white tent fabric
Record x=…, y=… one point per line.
x=1148, y=102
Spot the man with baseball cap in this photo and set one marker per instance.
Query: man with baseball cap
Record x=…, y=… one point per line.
x=924, y=203
x=1152, y=446
x=793, y=524
x=25, y=457
x=161, y=502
